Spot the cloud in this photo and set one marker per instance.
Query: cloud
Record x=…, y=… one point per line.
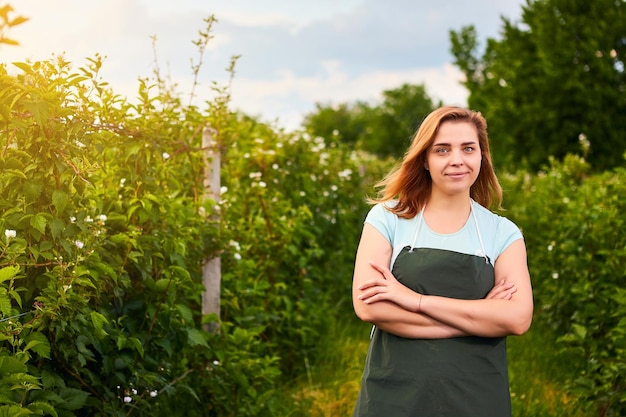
x=289, y=96
x=293, y=54
x=371, y=35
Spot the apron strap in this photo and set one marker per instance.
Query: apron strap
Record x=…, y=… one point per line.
x=419, y=224
x=483, y=253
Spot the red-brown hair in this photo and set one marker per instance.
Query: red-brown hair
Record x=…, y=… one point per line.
x=411, y=184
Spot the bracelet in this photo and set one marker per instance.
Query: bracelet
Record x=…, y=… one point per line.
x=419, y=306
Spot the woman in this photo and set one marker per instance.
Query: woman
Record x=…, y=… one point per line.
x=443, y=279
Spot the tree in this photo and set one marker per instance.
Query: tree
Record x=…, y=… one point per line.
x=551, y=83
x=384, y=129
x=341, y=122
x=395, y=121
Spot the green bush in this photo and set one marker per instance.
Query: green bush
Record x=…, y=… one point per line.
x=106, y=229
x=573, y=224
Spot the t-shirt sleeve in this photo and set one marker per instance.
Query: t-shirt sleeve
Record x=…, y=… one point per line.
x=508, y=232
x=382, y=220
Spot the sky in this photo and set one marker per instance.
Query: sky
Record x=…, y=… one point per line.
x=292, y=54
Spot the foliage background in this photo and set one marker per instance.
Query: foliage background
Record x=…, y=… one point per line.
x=106, y=229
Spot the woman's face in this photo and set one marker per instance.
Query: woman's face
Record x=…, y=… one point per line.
x=454, y=158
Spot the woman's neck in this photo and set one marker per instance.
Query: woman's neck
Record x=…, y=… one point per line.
x=449, y=203
x=447, y=215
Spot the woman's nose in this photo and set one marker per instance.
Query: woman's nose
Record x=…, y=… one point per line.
x=456, y=157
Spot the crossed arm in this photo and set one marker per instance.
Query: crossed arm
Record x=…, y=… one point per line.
x=380, y=299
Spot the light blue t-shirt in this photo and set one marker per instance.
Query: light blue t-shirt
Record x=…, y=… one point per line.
x=495, y=232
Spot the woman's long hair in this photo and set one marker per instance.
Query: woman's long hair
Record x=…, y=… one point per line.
x=411, y=184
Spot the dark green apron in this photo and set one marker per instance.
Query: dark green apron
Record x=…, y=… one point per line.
x=456, y=377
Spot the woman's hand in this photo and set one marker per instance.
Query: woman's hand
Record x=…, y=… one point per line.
x=387, y=288
x=502, y=291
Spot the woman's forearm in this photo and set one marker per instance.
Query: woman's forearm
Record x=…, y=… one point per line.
x=487, y=317
x=393, y=319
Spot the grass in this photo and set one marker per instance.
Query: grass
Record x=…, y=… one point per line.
x=538, y=370
x=329, y=387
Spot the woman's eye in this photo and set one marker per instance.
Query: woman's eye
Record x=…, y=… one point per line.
x=441, y=150
x=469, y=149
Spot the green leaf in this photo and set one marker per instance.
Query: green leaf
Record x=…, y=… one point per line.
x=42, y=408
x=8, y=272
x=136, y=343
x=162, y=284
x=57, y=226
x=14, y=173
x=39, y=222
x=99, y=321
x=24, y=67
x=16, y=296
x=196, y=337
x=185, y=313
x=32, y=190
x=121, y=342
x=5, y=303
x=74, y=399
x=38, y=343
x=59, y=199
x=579, y=331
x=11, y=365
x=14, y=411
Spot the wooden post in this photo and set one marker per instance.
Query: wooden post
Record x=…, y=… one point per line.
x=211, y=268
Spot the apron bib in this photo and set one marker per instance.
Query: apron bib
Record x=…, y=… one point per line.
x=455, y=377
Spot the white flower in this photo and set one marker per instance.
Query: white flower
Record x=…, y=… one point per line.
x=79, y=244
x=345, y=173
x=262, y=184
x=255, y=175
x=154, y=393
x=73, y=219
x=9, y=233
x=223, y=189
x=275, y=166
x=102, y=218
x=127, y=399
x=134, y=391
x=88, y=219
x=555, y=275
x=237, y=257
x=216, y=363
x=122, y=182
x=166, y=155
